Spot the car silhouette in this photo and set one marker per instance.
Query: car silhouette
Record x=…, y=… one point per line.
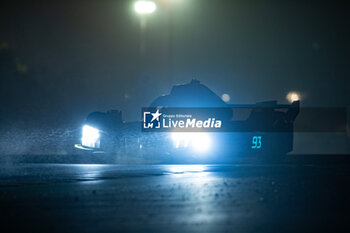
x=263, y=131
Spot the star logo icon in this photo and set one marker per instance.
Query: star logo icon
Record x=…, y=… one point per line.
x=156, y=115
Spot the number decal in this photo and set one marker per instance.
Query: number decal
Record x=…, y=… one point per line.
x=256, y=142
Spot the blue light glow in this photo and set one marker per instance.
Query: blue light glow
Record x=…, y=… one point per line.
x=200, y=142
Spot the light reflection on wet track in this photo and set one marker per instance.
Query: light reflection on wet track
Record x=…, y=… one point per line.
x=174, y=198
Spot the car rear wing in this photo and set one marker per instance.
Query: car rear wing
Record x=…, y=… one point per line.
x=291, y=110
x=267, y=104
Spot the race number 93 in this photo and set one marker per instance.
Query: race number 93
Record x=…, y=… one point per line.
x=256, y=142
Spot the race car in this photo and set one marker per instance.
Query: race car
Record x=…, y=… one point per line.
x=263, y=131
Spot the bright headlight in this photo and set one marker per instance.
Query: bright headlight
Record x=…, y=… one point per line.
x=200, y=142
x=90, y=137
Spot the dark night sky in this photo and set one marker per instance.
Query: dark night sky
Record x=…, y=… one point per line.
x=83, y=56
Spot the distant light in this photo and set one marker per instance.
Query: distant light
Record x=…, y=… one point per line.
x=145, y=7
x=293, y=96
x=225, y=97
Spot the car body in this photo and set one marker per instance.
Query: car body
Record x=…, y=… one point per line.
x=266, y=132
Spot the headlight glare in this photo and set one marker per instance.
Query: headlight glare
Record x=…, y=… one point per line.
x=90, y=137
x=199, y=142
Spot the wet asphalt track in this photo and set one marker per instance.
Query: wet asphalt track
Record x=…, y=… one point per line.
x=288, y=197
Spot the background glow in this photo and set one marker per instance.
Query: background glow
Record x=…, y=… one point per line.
x=293, y=96
x=225, y=97
x=145, y=7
